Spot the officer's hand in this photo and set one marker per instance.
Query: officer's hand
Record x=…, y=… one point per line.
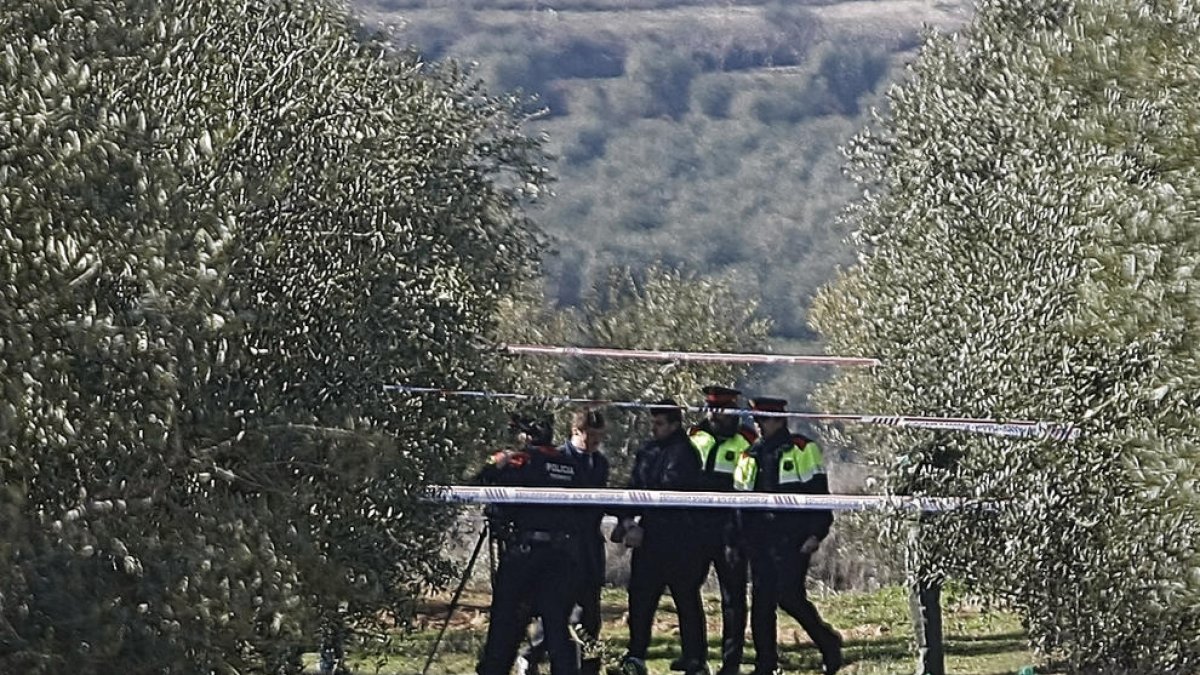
x=810, y=545
x=633, y=536
x=618, y=533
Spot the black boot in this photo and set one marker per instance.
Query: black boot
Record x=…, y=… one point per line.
x=832, y=659
x=690, y=666
x=631, y=665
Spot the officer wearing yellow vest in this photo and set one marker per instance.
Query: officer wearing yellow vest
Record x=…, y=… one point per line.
x=780, y=543
x=720, y=441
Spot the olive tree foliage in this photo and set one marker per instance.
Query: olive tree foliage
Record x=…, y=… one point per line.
x=1028, y=250
x=225, y=225
x=658, y=308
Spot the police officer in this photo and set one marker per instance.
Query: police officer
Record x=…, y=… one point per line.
x=664, y=543
x=538, y=570
x=720, y=441
x=781, y=543
x=584, y=447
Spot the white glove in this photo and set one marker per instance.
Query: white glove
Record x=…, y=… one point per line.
x=810, y=545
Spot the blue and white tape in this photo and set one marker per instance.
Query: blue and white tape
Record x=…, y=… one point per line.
x=678, y=499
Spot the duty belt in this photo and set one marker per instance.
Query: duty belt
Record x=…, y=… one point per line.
x=542, y=537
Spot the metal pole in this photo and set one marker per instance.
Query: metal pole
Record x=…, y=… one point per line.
x=483, y=535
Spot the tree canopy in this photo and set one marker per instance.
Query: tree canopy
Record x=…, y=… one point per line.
x=1028, y=250
x=656, y=308
x=226, y=225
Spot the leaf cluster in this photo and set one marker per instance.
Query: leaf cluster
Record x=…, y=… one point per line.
x=1027, y=251
x=226, y=225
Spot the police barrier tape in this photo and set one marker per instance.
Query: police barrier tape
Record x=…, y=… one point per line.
x=1010, y=429
x=703, y=357
x=673, y=498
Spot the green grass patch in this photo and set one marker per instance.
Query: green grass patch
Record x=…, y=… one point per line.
x=876, y=626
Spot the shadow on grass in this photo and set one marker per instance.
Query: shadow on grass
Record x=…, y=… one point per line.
x=893, y=648
x=900, y=648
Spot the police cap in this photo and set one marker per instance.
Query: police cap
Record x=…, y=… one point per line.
x=539, y=429
x=716, y=396
x=768, y=404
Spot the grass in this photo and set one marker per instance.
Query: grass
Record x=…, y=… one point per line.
x=876, y=626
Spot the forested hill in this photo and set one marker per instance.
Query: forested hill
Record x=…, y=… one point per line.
x=698, y=132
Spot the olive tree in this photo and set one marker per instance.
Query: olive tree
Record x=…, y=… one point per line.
x=1027, y=250
x=658, y=308
x=226, y=225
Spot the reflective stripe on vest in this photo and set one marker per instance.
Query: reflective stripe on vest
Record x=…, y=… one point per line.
x=745, y=472
x=796, y=465
x=728, y=453
x=800, y=465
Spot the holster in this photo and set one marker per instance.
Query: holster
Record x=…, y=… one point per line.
x=523, y=541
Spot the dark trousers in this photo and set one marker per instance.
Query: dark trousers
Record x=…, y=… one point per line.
x=586, y=614
x=587, y=602
x=538, y=578
x=778, y=570
x=658, y=566
x=732, y=566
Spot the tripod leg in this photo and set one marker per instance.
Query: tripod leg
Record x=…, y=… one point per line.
x=492, y=557
x=454, y=601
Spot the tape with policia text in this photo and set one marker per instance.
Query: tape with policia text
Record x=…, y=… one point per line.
x=678, y=499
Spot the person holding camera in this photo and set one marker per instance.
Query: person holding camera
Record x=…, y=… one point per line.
x=585, y=448
x=538, y=572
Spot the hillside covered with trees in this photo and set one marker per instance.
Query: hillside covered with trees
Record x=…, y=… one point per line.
x=702, y=134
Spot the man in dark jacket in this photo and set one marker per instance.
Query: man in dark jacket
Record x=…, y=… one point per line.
x=781, y=543
x=538, y=572
x=720, y=441
x=666, y=555
x=591, y=467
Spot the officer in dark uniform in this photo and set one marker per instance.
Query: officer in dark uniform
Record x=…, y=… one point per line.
x=538, y=572
x=780, y=543
x=720, y=441
x=666, y=554
x=584, y=447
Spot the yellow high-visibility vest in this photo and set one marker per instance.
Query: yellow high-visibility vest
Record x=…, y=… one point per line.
x=728, y=452
x=799, y=463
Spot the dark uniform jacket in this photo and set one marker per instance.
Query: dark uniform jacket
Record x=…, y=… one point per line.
x=718, y=522
x=785, y=524
x=591, y=472
x=536, y=466
x=669, y=464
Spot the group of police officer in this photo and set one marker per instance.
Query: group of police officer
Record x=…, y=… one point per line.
x=552, y=564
